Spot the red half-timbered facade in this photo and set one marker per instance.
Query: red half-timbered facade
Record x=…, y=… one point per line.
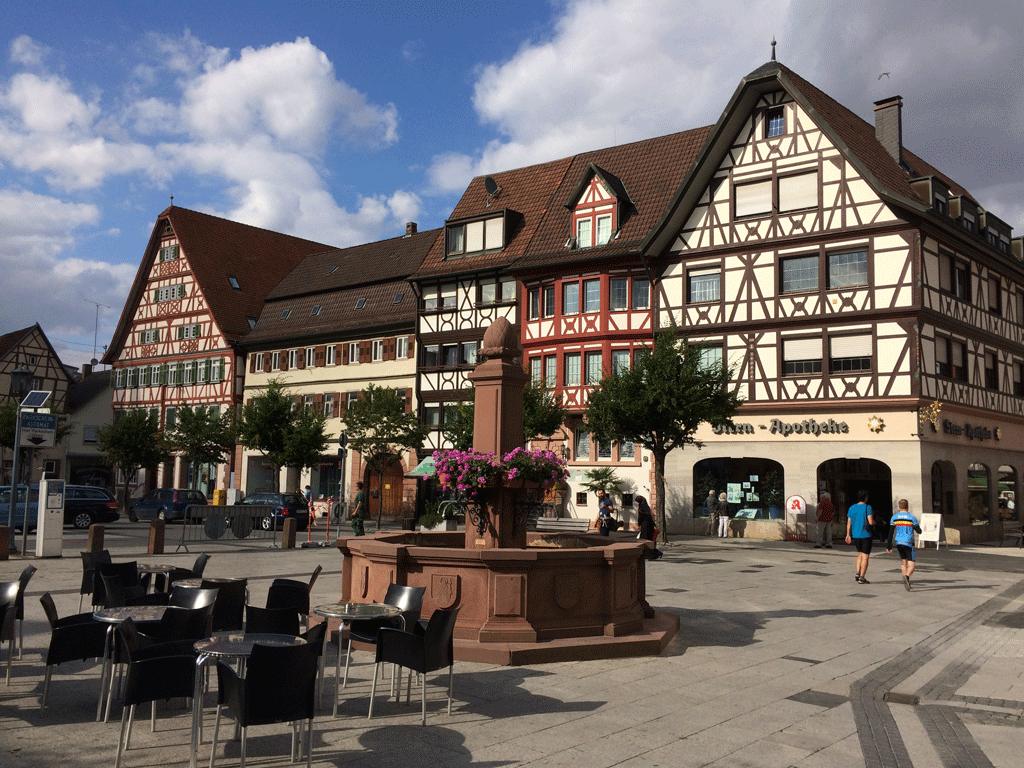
x=199, y=291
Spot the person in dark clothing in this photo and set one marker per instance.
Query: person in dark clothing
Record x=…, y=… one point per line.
x=648, y=531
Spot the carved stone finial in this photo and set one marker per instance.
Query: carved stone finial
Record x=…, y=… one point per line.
x=500, y=340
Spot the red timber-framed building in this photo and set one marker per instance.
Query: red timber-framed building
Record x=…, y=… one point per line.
x=199, y=291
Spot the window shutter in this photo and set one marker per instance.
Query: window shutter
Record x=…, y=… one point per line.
x=344, y=354
x=163, y=374
x=252, y=364
x=801, y=349
x=851, y=346
x=408, y=400
x=338, y=407
x=412, y=346
x=318, y=403
x=300, y=359
x=181, y=373
x=320, y=355
x=181, y=332
x=364, y=351
x=284, y=359
x=156, y=295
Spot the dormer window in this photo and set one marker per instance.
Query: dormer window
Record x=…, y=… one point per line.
x=941, y=206
x=471, y=237
x=251, y=321
x=774, y=122
x=234, y=282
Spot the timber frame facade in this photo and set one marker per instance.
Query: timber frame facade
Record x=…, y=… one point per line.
x=197, y=294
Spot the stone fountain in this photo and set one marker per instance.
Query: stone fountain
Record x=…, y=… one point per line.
x=524, y=597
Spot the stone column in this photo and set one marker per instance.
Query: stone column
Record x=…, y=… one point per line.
x=498, y=427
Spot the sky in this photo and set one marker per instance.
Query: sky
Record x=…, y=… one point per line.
x=341, y=121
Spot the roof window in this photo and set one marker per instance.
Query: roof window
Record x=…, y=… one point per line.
x=314, y=311
x=234, y=282
x=286, y=314
x=360, y=303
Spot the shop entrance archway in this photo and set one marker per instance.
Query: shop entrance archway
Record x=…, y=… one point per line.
x=843, y=478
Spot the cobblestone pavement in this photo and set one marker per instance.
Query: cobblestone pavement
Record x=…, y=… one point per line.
x=781, y=660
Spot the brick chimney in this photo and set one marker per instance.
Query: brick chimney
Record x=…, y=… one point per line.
x=410, y=229
x=889, y=126
x=86, y=370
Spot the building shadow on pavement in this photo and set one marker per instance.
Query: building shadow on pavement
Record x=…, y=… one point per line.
x=730, y=629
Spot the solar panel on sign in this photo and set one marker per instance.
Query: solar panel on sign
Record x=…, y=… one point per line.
x=35, y=399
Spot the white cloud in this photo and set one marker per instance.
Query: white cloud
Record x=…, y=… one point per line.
x=27, y=52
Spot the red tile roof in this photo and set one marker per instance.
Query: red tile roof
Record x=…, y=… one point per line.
x=10, y=340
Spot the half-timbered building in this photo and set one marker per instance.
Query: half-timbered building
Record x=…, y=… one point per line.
x=198, y=292
x=872, y=310
x=338, y=322
x=28, y=349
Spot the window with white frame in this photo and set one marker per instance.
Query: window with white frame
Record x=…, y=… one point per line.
x=592, y=295
x=535, y=371
x=169, y=293
x=310, y=357
x=133, y=377
x=189, y=373
x=329, y=354
x=329, y=405
x=627, y=451
x=377, y=350
x=549, y=301
x=351, y=399
x=533, y=304
x=571, y=298
x=847, y=269
x=581, y=450
x=620, y=360
x=801, y=357
x=202, y=369
x=217, y=369
x=641, y=293
x=849, y=354
x=293, y=359
x=189, y=331
x=402, y=347
x=571, y=366
x=593, y=363
x=799, y=273
x=150, y=336
x=353, y=352
x=711, y=357
x=618, y=294
x=307, y=403
x=168, y=253
x=259, y=361
x=275, y=361
x=120, y=378
x=90, y=435
x=704, y=285
x=155, y=379
x=174, y=374
x=144, y=376
x=550, y=371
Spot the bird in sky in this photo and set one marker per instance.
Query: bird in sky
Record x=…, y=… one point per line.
x=884, y=74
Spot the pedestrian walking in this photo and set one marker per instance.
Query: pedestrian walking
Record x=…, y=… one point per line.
x=859, y=524
x=648, y=530
x=902, y=528
x=826, y=514
x=723, y=515
x=605, y=512
x=359, y=511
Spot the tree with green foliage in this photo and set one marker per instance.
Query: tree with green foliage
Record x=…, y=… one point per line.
x=542, y=417
x=286, y=435
x=381, y=431
x=133, y=442
x=602, y=479
x=202, y=436
x=661, y=401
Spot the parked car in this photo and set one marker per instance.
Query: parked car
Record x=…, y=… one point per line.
x=167, y=504
x=83, y=506
x=285, y=505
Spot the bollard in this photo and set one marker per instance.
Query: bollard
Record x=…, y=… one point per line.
x=156, y=537
x=288, y=534
x=94, y=542
x=5, y=542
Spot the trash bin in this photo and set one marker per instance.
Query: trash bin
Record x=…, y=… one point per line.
x=219, y=497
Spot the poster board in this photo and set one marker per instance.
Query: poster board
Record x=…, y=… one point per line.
x=931, y=529
x=734, y=493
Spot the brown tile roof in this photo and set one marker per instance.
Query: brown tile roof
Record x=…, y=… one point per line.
x=83, y=391
x=527, y=191
x=649, y=172
x=335, y=281
x=10, y=340
x=216, y=248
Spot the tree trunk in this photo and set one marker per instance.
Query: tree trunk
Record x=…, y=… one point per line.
x=124, y=496
x=659, y=488
x=380, y=498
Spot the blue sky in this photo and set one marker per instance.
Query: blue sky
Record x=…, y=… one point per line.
x=340, y=121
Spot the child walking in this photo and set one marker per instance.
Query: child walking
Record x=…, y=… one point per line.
x=902, y=528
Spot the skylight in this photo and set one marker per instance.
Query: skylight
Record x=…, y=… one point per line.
x=360, y=303
x=234, y=282
x=286, y=314
x=314, y=311
x=332, y=269
x=398, y=298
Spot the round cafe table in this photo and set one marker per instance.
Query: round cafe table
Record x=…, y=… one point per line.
x=349, y=612
x=140, y=614
x=164, y=568
x=233, y=645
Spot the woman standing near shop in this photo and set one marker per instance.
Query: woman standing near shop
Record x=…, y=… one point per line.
x=723, y=515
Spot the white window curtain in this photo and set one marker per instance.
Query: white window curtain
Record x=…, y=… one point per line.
x=753, y=199
x=800, y=191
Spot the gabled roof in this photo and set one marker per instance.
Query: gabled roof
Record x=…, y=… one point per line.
x=525, y=191
x=650, y=170
x=10, y=340
x=613, y=182
x=216, y=248
x=91, y=386
x=852, y=135
x=335, y=281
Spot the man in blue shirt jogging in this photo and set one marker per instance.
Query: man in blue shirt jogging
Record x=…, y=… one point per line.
x=902, y=528
x=859, y=523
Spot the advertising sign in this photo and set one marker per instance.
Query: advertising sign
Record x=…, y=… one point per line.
x=931, y=529
x=38, y=430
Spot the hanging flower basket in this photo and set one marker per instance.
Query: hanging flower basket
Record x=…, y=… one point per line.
x=470, y=472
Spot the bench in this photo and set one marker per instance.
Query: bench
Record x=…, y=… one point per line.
x=574, y=524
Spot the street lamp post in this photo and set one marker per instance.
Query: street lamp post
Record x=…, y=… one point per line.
x=21, y=381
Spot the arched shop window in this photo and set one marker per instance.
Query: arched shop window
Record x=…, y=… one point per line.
x=978, y=493
x=844, y=478
x=1008, y=493
x=749, y=481
x=943, y=488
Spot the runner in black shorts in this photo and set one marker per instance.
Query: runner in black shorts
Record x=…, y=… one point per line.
x=863, y=546
x=859, y=523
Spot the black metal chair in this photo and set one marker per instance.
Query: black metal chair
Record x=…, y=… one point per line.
x=229, y=609
x=177, y=574
x=279, y=687
x=192, y=597
x=71, y=638
x=120, y=583
x=156, y=672
x=316, y=635
x=89, y=561
x=286, y=592
x=429, y=651
x=277, y=621
x=8, y=615
x=408, y=599
x=23, y=580
x=185, y=624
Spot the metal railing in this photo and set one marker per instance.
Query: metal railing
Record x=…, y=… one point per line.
x=224, y=523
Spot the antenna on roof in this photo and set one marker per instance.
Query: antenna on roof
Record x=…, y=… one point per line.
x=493, y=190
x=773, y=47
x=172, y=201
